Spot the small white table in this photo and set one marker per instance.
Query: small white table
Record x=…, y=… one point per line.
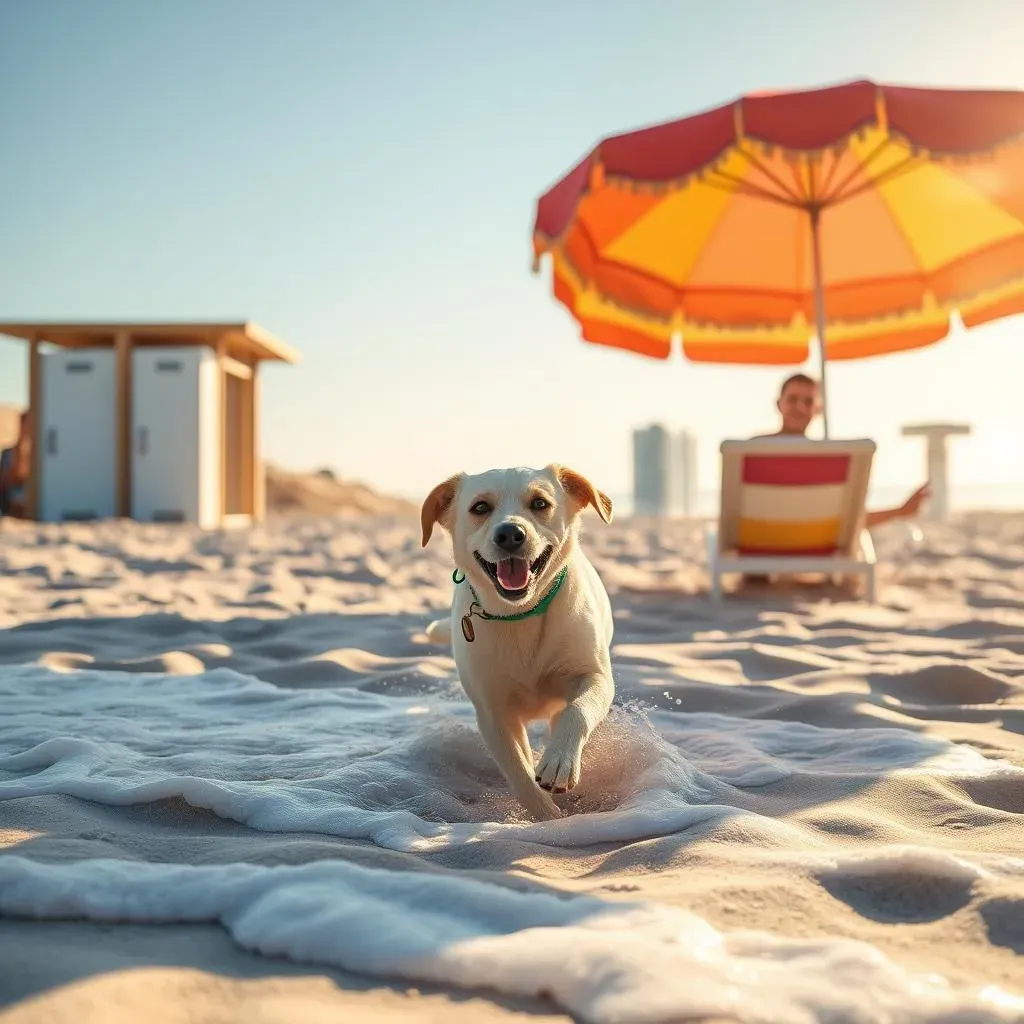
x=937, y=461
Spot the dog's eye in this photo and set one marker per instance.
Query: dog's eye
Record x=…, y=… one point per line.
x=480, y=508
x=539, y=504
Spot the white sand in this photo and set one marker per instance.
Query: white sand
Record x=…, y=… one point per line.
x=237, y=784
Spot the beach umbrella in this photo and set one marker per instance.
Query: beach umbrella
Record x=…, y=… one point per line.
x=864, y=215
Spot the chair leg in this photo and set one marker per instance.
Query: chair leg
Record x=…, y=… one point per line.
x=869, y=579
x=716, y=584
x=711, y=547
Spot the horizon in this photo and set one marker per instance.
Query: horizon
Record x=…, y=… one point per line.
x=288, y=175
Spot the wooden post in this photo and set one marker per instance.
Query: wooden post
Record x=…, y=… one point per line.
x=33, y=487
x=222, y=390
x=247, y=487
x=259, y=492
x=123, y=423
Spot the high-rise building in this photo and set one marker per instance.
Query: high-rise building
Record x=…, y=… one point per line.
x=686, y=473
x=652, y=461
x=664, y=472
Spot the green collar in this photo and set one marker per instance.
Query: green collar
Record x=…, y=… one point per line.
x=538, y=609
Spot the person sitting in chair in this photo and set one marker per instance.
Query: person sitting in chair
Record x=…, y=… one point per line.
x=799, y=403
x=15, y=466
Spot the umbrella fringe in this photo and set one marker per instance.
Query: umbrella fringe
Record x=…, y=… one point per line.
x=840, y=329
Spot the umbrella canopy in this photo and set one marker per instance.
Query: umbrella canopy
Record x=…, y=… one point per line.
x=864, y=214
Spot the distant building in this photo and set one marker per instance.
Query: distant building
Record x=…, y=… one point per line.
x=652, y=459
x=664, y=472
x=686, y=473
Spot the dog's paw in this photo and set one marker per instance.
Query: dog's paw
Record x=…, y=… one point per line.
x=548, y=813
x=539, y=806
x=559, y=767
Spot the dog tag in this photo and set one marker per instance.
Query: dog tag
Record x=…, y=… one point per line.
x=467, y=629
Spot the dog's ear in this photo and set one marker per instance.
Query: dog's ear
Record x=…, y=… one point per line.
x=436, y=505
x=583, y=492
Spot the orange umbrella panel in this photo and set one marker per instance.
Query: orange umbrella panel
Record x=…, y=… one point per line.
x=704, y=228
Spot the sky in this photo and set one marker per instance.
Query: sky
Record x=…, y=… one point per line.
x=359, y=178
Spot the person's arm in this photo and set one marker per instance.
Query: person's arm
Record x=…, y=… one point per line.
x=883, y=515
x=909, y=508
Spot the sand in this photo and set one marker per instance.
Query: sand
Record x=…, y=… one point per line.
x=323, y=493
x=237, y=783
x=10, y=417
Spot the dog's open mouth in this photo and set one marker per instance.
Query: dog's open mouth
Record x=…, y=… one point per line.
x=512, y=576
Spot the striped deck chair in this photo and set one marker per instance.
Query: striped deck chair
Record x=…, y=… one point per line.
x=793, y=506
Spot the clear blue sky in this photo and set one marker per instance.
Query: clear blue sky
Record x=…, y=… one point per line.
x=359, y=178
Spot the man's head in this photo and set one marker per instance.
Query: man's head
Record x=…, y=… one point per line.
x=799, y=402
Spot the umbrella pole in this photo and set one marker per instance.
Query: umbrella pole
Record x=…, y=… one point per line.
x=819, y=308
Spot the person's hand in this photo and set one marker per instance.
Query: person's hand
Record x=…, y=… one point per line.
x=913, y=504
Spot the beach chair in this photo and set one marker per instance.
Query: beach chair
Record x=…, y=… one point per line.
x=793, y=506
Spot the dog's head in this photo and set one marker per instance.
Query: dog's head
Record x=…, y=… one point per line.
x=512, y=529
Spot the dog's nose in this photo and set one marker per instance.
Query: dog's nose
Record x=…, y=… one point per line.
x=509, y=537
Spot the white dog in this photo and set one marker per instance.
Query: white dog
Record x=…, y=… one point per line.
x=531, y=623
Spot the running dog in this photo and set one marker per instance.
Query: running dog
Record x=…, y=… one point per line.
x=531, y=623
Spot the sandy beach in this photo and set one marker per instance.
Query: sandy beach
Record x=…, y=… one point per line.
x=238, y=784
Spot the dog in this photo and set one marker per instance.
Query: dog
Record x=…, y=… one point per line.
x=531, y=623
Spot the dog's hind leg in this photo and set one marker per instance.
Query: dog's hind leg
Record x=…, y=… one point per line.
x=510, y=747
x=440, y=631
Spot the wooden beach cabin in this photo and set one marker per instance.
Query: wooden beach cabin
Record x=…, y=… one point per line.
x=151, y=421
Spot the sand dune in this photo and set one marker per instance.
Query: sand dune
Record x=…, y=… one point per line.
x=238, y=782
x=9, y=418
x=324, y=494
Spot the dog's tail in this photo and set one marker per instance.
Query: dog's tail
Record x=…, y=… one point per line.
x=440, y=631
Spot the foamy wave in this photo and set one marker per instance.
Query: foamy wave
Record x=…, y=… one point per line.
x=407, y=774
x=603, y=962
x=754, y=752
x=343, y=763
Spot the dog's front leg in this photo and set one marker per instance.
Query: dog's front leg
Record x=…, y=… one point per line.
x=559, y=767
x=506, y=741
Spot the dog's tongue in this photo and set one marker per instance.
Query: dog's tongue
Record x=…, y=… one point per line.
x=513, y=573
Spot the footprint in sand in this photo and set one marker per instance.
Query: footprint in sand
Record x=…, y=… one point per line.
x=1003, y=917
x=998, y=793
x=900, y=892
x=951, y=683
